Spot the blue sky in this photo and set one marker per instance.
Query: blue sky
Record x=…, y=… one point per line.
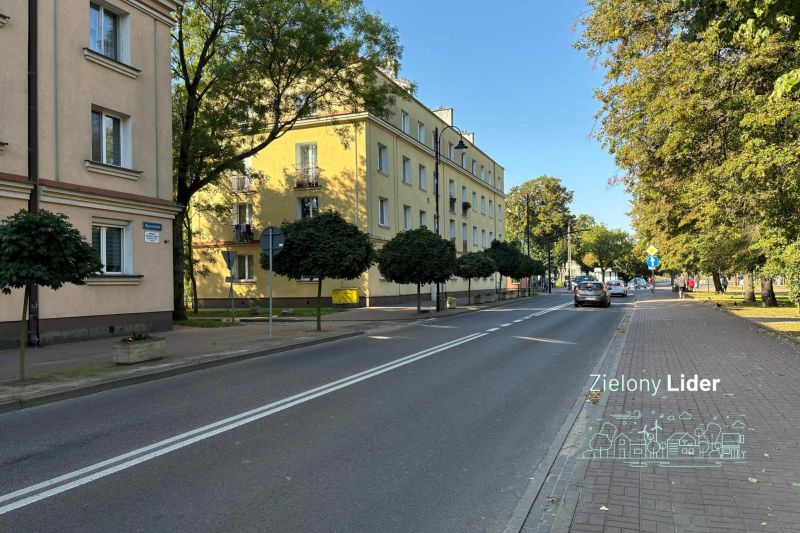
x=511, y=73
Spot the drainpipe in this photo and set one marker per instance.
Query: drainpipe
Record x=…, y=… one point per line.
x=33, y=154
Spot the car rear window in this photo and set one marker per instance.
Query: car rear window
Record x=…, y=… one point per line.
x=590, y=285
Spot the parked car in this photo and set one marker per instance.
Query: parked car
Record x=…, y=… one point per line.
x=579, y=279
x=637, y=283
x=592, y=292
x=616, y=287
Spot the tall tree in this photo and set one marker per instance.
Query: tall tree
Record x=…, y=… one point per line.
x=417, y=256
x=506, y=256
x=542, y=206
x=245, y=71
x=323, y=247
x=42, y=248
x=607, y=247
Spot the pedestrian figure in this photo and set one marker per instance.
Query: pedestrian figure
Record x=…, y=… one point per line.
x=681, y=284
x=724, y=282
x=690, y=284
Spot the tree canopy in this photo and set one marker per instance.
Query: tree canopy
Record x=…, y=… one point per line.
x=246, y=71
x=417, y=256
x=325, y=246
x=474, y=265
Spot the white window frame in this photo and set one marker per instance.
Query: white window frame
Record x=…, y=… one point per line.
x=491, y=209
x=383, y=212
x=453, y=231
x=423, y=178
x=123, y=54
x=407, y=222
x=383, y=159
x=406, y=170
x=483, y=205
x=483, y=238
x=423, y=218
x=124, y=138
x=249, y=267
x=126, y=261
x=421, y=132
x=474, y=166
x=463, y=160
x=314, y=212
x=451, y=151
x=474, y=202
x=248, y=213
x=474, y=235
x=405, y=122
x=491, y=237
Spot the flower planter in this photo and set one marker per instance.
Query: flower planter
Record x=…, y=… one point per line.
x=130, y=352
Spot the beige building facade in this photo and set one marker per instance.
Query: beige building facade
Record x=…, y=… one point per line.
x=378, y=173
x=104, y=155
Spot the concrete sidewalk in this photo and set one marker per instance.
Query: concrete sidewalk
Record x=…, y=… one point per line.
x=55, y=370
x=695, y=482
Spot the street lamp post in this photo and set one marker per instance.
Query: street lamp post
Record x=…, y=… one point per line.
x=437, y=140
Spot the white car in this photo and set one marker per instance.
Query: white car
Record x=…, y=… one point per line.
x=616, y=288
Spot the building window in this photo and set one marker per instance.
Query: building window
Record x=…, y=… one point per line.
x=453, y=230
x=491, y=237
x=474, y=166
x=383, y=212
x=406, y=217
x=463, y=160
x=483, y=238
x=421, y=132
x=244, y=268
x=491, y=178
x=474, y=201
x=103, y=31
x=109, y=139
x=463, y=194
x=423, y=178
x=491, y=209
x=243, y=213
x=483, y=205
x=474, y=236
x=309, y=207
x=405, y=122
x=463, y=237
x=110, y=242
x=383, y=159
x=423, y=219
x=451, y=153
x=406, y=171
x=499, y=211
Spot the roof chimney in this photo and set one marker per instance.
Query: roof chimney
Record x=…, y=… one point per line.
x=469, y=135
x=444, y=113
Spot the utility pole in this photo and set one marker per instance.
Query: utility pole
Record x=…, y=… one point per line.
x=528, y=232
x=569, y=252
x=33, y=153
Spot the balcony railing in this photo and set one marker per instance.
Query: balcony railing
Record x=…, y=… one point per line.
x=243, y=233
x=306, y=177
x=241, y=183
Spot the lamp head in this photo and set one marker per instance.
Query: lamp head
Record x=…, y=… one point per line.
x=461, y=145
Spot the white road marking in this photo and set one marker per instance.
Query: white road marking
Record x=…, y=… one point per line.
x=441, y=327
x=140, y=455
x=541, y=339
x=379, y=337
x=517, y=321
x=492, y=329
x=505, y=325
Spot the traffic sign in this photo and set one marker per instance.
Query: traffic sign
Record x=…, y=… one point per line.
x=276, y=234
x=652, y=250
x=230, y=257
x=653, y=262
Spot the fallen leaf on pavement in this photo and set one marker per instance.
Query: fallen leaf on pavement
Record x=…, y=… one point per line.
x=603, y=508
x=752, y=480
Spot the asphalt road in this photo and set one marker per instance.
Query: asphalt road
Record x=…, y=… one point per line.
x=434, y=427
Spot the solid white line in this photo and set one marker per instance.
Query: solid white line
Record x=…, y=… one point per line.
x=157, y=449
x=490, y=330
x=505, y=325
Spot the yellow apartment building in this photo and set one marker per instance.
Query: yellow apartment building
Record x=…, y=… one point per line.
x=104, y=157
x=381, y=178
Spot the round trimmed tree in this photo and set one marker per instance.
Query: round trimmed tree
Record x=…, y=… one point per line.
x=417, y=256
x=474, y=265
x=325, y=246
x=42, y=248
x=506, y=257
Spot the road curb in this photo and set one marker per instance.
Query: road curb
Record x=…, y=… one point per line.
x=526, y=503
x=24, y=403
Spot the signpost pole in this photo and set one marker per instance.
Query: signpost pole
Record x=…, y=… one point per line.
x=230, y=296
x=270, y=283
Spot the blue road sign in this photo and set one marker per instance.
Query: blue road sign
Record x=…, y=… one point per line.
x=652, y=262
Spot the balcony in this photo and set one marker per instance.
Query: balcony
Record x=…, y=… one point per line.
x=465, y=208
x=243, y=233
x=242, y=184
x=306, y=177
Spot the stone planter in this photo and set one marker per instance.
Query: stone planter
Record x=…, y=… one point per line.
x=130, y=352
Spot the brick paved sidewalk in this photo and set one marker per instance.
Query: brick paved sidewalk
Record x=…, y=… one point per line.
x=759, y=385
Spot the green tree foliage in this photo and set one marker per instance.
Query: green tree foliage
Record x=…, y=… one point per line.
x=42, y=248
x=323, y=247
x=474, y=265
x=688, y=114
x=506, y=257
x=606, y=248
x=541, y=204
x=245, y=71
x=417, y=256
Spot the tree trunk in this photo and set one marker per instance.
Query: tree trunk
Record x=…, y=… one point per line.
x=178, y=306
x=767, y=293
x=419, y=300
x=319, y=304
x=469, y=291
x=749, y=289
x=717, y=282
x=23, y=332
x=190, y=262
